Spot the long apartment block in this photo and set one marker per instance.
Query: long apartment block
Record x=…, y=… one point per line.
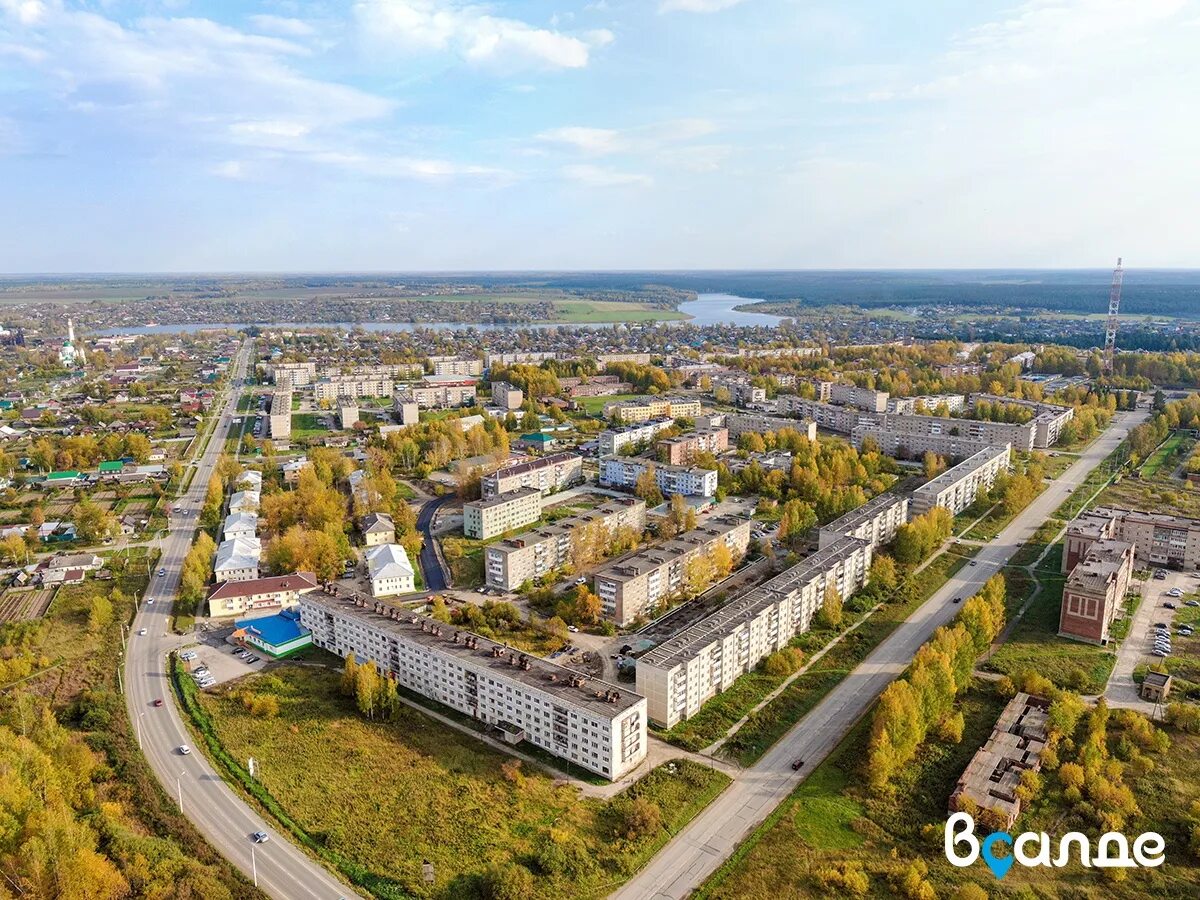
x=353, y=386
x=292, y=375
x=875, y=521
x=909, y=446
x=455, y=365
x=741, y=423
x=957, y=487
x=847, y=394
x=929, y=403
x=841, y=419
x=594, y=724
x=613, y=440
x=1048, y=418
x=547, y=474
x=484, y=519
x=653, y=408
x=691, y=481
x=524, y=557
x=633, y=586
x=395, y=371
x=279, y=421
x=682, y=674
x=437, y=392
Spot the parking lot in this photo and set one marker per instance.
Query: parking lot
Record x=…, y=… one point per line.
x=215, y=653
x=1159, y=632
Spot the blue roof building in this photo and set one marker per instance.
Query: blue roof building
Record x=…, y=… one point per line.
x=278, y=635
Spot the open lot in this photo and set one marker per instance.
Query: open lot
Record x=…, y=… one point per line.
x=414, y=789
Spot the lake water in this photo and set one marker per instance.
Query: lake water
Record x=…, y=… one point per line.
x=706, y=309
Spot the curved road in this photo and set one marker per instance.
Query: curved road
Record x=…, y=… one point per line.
x=279, y=867
x=431, y=566
x=687, y=861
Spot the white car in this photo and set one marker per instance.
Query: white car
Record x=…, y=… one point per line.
x=162, y=572
x=141, y=631
x=149, y=599
x=1174, y=592
x=184, y=749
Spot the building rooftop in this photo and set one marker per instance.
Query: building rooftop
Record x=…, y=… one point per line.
x=651, y=558
x=1090, y=524
x=1100, y=566
x=388, y=561
x=377, y=522
x=688, y=642
x=297, y=581
x=594, y=695
x=864, y=513
x=962, y=470
x=564, y=527
x=276, y=630
x=1157, y=518
x=506, y=497
x=1016, y=743
x=532, y=465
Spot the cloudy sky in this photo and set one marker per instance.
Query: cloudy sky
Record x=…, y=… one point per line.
x=188, y=135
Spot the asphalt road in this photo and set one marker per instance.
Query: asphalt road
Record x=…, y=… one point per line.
x=684, y=863
x=431, y=566
x=282, y=870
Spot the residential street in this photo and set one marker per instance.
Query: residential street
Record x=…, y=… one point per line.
x=282, y=870
x=684, y=864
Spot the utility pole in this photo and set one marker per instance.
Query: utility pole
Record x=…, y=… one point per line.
x=254, y=865
x=179, y=785
x=1114, y=307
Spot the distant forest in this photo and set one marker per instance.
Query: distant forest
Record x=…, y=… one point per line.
x=1152, y=292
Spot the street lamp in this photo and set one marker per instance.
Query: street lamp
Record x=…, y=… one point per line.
x=179, y=786
x=139, y=727
x=253, y=865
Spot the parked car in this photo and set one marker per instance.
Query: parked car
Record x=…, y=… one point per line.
x=1160, y=652
x=572, y=629
x=1191, y=602
x=1174, y=592
x=1169, y=605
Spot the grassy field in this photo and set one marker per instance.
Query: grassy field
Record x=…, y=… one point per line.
x=607, y=311
x=594, y=406
x=307, y=425
x=1167, y=455
x=1035, y=644
x=413, y=789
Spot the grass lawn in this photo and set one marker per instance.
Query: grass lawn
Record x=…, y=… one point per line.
x=306, y=425
x=1168, y=452
x=594, y=406
x=610, y=311
x=1035, y=644
x=414, y=789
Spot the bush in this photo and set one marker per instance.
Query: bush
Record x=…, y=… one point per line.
x=507, y=881
x=637, y=818
x=783, y=662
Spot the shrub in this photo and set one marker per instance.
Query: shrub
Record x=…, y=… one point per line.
x=507, y=881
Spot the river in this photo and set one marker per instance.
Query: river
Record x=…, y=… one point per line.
x=706, y=309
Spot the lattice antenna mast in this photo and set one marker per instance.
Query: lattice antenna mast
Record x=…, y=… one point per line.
x=1114, y=307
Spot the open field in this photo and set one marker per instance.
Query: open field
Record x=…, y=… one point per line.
x=414, y=789
x=595, y=405
x=1035, y=645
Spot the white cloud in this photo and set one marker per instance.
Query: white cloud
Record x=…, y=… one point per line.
x=696, y=6
x=233, y=169
x=472, y=33
x=589, y=141
x=597, y=176
x=283, y=25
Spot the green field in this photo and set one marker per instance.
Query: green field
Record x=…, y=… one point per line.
x=1035, y=645
x=594, y=406
x=413, y=789
x=306, y=425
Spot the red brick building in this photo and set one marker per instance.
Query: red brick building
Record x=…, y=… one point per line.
x=1094, y=591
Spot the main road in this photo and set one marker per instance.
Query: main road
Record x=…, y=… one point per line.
x=279, y=867
x=684, y=863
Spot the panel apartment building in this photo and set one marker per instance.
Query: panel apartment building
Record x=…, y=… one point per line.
x=1048, y=418
x=455, y=365
x=437, y=392
x=1160, y=539
x=913, y=435
x=351, y=386
x=613, y=440
x=682, y=674
x=633, y=586
x=846, y=394
x=681, y=450
x=957, y=487
x=1094, y=591
x=741, y=423
x=841, y=419
x=875, y=521
x=691, y=481
x=653, y=408
x=928, y=403
x=547, y=474
x=592, y=723
x=279, y=422
x=292, y=375
x=484, y=519
x=524, y=557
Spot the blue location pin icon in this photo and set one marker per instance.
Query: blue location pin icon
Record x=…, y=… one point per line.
x=998, y=865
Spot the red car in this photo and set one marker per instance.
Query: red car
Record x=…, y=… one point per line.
x=158, y=702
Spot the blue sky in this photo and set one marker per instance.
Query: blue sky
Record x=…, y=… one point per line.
x=436, y=134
